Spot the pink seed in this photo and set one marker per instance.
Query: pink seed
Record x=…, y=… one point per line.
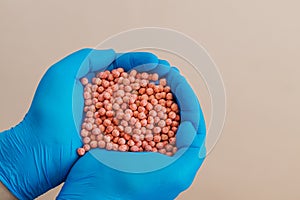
x=141, y=115
x=124, y=123
x=172, y=115
x=127, y=117
x=86, y=147
x=121, y=141
x=132, y=121
x=99, y=137
x=154, y=77
x=161, y=123
x=157, y=138
x=92, y=137
x=137, y=131
x=133, y=107
x=87, y=95
x=165, y=129
x=133, y=73
x=153, y=113
x=96, y=131
x=138, y=125
x=80, y=151
x=130, y=143
x=144, y=143
x=115, y=147
x=84, y=133
x=127, y=88
x=172, y=140
x=150, y=126
x=169, y=148
x=154, y=101
x=149, y=91
x=86, y=140
x=116, y=106
x=110, y=113
x=106, y=122
x=93, y=144
x=135, y=137
x=123, y=147
x=134, y=148
x=115, y=133
x=124, y=106
x=168, y=122
x=145, y=75
x=126, y=81
x=143, y=130
x=144, y=122
x=101, y=144
x=109, y=129
x=127, y=129
x=148, y=148
x=164, y=137
x=141, y=109
x=142, y=137
x=102, y=128
x=143, y=83
x=158, y=107
x=84, y=81
x=163, y=82
x=88, y=102
x=152, y=143
x=109, y=146
x=149, y=106
x=174, y=129
x=106, y=138
x=149, y=137
x=159, y=145
x=135, y=86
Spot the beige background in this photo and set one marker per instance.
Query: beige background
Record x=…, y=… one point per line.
x=256, y=45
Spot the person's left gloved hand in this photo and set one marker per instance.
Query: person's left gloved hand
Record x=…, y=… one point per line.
x=102, y=174
x=37, y=154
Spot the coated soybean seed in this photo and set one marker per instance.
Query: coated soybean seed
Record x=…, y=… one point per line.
x=81, y=151
x=129, y=112
x=84, y=81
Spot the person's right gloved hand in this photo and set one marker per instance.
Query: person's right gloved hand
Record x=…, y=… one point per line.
x=91, y=178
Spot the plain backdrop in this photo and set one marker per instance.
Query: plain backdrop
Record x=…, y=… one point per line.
x=256, y=45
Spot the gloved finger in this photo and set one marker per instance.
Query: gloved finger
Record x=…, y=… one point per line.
x=186, y=98
x=174, y=78
x=78, y=105
x=185, y=135
x=96, y=60
x=162, y=68
x=140, y=61
x=202, y=125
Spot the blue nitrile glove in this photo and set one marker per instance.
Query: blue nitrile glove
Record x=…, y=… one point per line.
x=135, y=176
x=38, y=153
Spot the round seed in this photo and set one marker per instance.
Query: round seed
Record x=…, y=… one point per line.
x=80, y=151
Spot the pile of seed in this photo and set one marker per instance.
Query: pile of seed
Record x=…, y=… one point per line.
x=129, y=112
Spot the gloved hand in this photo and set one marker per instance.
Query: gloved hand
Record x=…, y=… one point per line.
x=140, y=177
x=38, y=153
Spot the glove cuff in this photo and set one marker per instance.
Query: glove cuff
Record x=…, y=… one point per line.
x=16, y=155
